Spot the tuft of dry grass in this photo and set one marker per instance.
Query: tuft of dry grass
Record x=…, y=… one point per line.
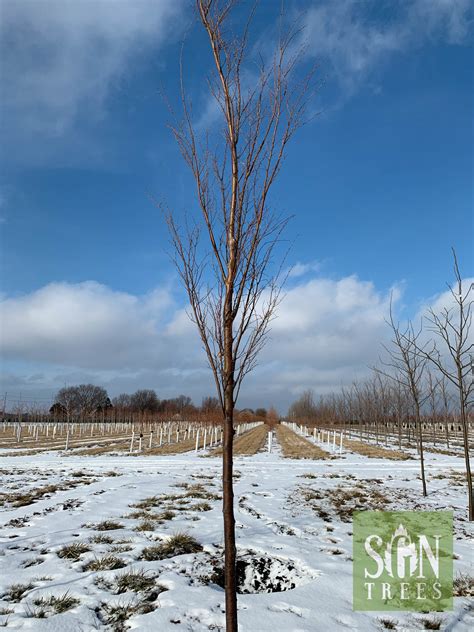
x=5, y=611
x=463, y=585
x=388, y=624
x=120, y=548
x=56, y=604
x=104, y=563
x=73, y=551
x=117, y=614
x=199, y=491
x=147, y=503
x=101, y=538
x=145, y=525
x=294, y=446
x=15, y=592
x=164, y=516
x=34, y=561
x=133, y=580
x=374, y=451
x=108, y=525
x=178, y=544
x=431, y=623
x=201, y=507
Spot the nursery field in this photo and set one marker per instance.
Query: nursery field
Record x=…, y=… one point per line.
x=122, y=540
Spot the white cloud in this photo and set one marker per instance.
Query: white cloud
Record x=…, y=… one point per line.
x=300, y=269
x=90, y=326
x=61, y=59
x=356, y=37
x=326, y=332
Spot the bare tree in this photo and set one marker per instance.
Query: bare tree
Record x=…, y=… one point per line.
x=66, y=398
x=408, y=370
x=226, y=257
x=452, y=325
x=84, y=399
x=304, y=408
x=122, y=401
x=210, y=404
x=144, y=400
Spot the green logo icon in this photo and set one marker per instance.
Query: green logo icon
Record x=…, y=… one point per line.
x=403, y=560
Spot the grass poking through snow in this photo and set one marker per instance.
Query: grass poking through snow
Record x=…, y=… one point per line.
x=15, y=592
x=54, y=605
x=108, y=525
x=73, y=551
x=104, y=563
x=463, y=585
x=178, y=544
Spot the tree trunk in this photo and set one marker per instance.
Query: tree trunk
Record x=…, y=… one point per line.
x=465, y=433
x=229, y=526
x=230, y=574
x=420, y=444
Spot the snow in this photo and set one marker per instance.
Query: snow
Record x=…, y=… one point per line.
x=272, y=519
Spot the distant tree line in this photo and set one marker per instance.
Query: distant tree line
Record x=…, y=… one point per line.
x=86, y=400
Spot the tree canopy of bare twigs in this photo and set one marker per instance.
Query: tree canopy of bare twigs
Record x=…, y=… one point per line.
x=452, y=328
x=233, y=178
x=408, y=368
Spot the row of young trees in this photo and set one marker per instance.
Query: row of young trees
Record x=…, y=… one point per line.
x=379, y=402
x=426, y=373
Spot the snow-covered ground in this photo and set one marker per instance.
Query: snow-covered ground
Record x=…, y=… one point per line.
x=285, y=510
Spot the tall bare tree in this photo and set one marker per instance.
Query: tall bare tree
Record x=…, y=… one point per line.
x=452, y=325
x=408, y=370
x=225, y=256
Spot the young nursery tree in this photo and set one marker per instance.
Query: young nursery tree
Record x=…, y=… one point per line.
x=452, y=325
x=225, y=255
x=408, y=371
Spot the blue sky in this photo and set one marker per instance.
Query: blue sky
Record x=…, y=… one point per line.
x=379, y=183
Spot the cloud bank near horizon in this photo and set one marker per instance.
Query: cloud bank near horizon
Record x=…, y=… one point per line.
x=327, y=333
